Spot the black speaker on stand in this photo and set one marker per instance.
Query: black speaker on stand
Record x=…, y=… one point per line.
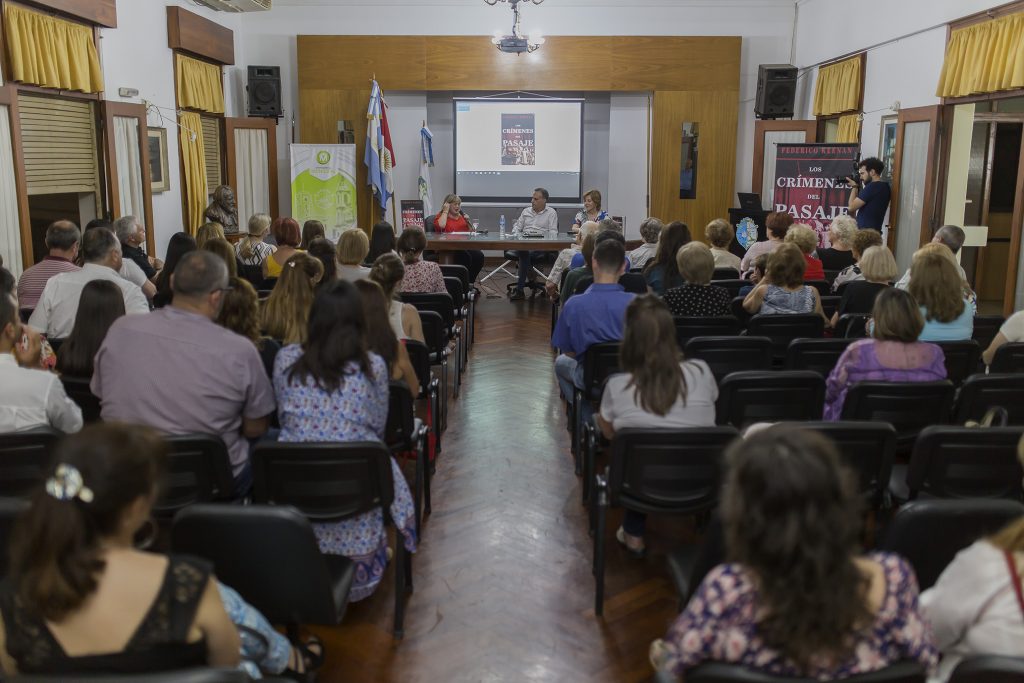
x=776, y=91
x=264, y=91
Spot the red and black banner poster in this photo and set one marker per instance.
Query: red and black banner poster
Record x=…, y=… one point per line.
x=412, y=213
x=810, y=183
x=518, y=140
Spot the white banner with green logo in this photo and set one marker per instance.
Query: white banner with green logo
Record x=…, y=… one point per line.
x=324, y=186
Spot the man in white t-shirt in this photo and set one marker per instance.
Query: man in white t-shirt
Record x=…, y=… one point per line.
x=540, y=216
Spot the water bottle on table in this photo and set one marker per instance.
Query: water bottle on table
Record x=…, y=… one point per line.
x=501, y=227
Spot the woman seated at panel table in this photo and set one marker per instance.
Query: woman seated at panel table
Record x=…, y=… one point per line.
x=451, y=218
x=591, y=210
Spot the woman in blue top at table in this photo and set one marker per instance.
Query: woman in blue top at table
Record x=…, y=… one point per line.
x=591, y=210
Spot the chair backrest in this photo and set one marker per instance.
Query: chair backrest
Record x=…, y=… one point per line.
x=10, y=510
x=720, y=672
x=981, y=392
x=907, y=406
x=325, y=481
x=419, y=356
x=852, y=325
x=435, y=332
x=966, y=462
x=738, y=312
x=819, y=355
x=600, y=362
x=401, y=416
x=989, y=669
x=198, y=471
x=440, y=303
x=668, y=471
x=456, y=270
x=784, y=328
x=633, y=282
x=929, y=533
x=731, y=353
x=428, y=224
x=689, y=327
x=178, y=676
x=583, y=284
x=1009, y=358
x=962, y=359
x=734, y=286
x=455, y=291
x=26, y=459
x=831, y=275
x=268, y=553
x=823, y=286
x=867, y=448
x=985, y=329
x=830, y=305
x=77, y=389
x=770, y=396
x=725, y=273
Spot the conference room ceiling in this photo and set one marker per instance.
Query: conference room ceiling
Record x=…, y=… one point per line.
x=633, y=4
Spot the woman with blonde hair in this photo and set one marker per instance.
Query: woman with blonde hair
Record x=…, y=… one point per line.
x=803, y=236
x=697, y=296
x=251, y=249
x=388, y=272
x=936, y=285
x=240, y=313
x=353, y=246
x=840, y=235
x=878, y=267
x=208, y=231
x=222, y=248
x=862, y=241
x=286, y=233
x=720, y=234
x=782, y=291
x=451, y=218
x=286, y=312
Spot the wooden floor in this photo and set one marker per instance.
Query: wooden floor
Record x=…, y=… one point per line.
x=503, y=588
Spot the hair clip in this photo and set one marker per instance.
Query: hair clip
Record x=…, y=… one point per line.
x=67, y=484
x=291, y=264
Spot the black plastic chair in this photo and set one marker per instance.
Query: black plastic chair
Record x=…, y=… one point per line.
x=179, y=676
x=330, y=482
x=583, y=284
x=633, y=282
x=985, y=329
x=443, y=305
x=929, y=533
x=731, y=354
x=770, y=396
x=690, y=563
x=455, y=291
x=740, y=313
x=982, y=392
x=868, y=448
x=782, y=329
x=989, y=669
x=401, y=436
x=852, y=326
x=725, y=274
x=26, y=459
x=734, y=286
x=830, y=305
x=599, y=363
x=962, y=358
x=962, y=462
x=419, y=356
x=720, y=672
x=77, y=389
x=689, y=327
x=823, y=286
x=819, y=355
x=556, y=304
x=269, y=554
x=472, y=293
x=1009, y=358
x=907, y=406
x=10, y=510
x=435, y=336
x=676, y=472
x=198, y=471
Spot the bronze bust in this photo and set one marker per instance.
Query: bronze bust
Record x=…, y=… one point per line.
x=223, y=210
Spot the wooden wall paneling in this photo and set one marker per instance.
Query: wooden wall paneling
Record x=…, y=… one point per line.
x=200, y=36
x=270, y=126
x=348, y=62
x=137, y=112
x=717, y=113
x=674, y=62
x=9, y=97
x=101, y=12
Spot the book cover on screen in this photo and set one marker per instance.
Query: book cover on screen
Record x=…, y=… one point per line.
x=517, y=140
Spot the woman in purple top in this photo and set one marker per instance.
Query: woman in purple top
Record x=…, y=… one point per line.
x=892, y=354
x=330, y=388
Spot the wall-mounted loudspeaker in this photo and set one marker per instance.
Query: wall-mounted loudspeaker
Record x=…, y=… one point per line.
x=776, y=91
x=264, y=90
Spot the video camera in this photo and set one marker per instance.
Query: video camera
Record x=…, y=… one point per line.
x=855, y=175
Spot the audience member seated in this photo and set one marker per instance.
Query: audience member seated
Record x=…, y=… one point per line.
x=286, y=311
x=208, y=231
x=537, y=216
x=862, y=241
x=891, y=354
x=951, y=236
x=657, y=389
x=451, y=218
x=240, y=313
x=330, y=388
x=591, y=210
x=759, y=266
x=603, y=225
x=29, y=397
x=776, y=225
x=697, y=296
x=101, y=304
x=721, y=234
x=573, y=277
x=662, y=271
x=129, y=270
x=388, y=272
x=223, y=249
x=597, y=315
x=840, y=235
x=180, y=244
x=381, y=339
x=878, y=268
x=565, y=257
x=797, y=599
x=353, y=246
x=54, y=316
x=252, y=251
x=943, y=295
x=420, y=276
x=178, y=371
x=382, y=241
x=1011, y=332
x=132, y=234
x=650, y=231
x=286, y=234
x=782, y=291
x=62, y=240
x=975, y=607
x=311, y=230
x=804, y=236
x=322, y=249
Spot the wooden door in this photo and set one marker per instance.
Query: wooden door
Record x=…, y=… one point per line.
x=912, y=209
x=251, y=150
x=768, y=134
x=121, y=176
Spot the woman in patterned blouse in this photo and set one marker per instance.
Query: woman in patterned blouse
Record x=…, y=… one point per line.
x=697, y=296
x=330, y=388
x=797, y=599
x=420, y=276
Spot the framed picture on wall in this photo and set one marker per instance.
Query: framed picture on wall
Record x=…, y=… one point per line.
x=160, y=179
x=887, y=145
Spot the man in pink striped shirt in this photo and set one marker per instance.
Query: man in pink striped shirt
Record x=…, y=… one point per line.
x=62, y=239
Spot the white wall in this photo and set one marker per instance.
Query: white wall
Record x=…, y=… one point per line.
x=135, y=55
x=629, y=159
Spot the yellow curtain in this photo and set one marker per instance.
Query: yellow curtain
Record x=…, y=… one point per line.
x=986, y=57
x=838, y=87
x=849, y=128
x=199, y=85
x=190, y=135
x=51, y=52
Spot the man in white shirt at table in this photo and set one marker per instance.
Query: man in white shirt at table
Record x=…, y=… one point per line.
x=540, y=216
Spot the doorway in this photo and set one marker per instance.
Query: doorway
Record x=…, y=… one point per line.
x=43, y=209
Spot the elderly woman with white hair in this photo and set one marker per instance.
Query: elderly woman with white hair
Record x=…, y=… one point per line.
x=565, y=258
x=650, y=230
x=840, y=235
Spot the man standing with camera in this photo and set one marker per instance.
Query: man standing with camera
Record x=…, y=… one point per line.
x=869, y=204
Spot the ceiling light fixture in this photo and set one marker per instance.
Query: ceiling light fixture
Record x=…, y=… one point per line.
x=516, y=43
